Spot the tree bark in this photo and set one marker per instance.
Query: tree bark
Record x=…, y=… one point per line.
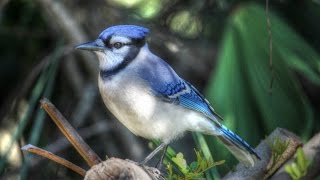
x=263, y=169
x=115, y=168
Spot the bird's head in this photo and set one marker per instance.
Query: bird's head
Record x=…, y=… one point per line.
x=117, y=45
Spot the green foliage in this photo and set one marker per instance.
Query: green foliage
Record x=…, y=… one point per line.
x=299, y=167
x=202, y=144
x=278, y=147
x=193, y=171
x=240, y=90
x=175, y=161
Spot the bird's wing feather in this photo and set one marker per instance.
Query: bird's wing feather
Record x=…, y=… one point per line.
x=168, y=86
x=184, y=94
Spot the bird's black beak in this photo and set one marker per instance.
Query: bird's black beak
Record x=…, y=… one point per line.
x=91, y=46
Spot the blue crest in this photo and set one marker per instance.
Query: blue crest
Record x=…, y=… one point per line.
x=131, y=31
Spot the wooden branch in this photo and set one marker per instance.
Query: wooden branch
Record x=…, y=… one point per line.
x=62, y=143
x=55, y=158
x=70, y=133
x=115, y=168
x=263, y=170
x=312, y=152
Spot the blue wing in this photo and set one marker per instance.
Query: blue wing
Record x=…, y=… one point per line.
x=184, y=94
x=168, y=86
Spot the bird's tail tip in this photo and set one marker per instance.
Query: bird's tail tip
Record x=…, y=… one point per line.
x=239, y=148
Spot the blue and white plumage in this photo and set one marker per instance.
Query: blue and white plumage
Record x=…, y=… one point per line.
x=149, y=98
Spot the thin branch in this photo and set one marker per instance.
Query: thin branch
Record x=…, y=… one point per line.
x=55, y=158
x=70, y=133
x=101, y=127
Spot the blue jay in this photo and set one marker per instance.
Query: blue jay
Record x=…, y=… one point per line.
x=149, y=98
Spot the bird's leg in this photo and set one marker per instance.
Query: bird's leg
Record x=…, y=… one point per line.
x=159, y=164
x=153, y=153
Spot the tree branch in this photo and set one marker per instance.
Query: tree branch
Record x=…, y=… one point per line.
x=115, y=168
x=263, y=170
x=70, y=133
x=312, y=152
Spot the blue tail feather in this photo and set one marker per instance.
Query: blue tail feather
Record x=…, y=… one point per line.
x=238, y=147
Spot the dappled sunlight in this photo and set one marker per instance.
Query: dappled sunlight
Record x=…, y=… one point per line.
x=186, y=24
x=126, y=3
x=9, y=146
x=13, y=154
x=150, y=9
x=173, y=47
x=146, y=9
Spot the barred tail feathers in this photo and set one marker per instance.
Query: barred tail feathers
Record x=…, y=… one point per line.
x=238, y=147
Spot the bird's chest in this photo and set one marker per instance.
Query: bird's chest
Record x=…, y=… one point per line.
x=129, y=101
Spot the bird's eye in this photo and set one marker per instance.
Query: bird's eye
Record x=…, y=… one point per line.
x=117, y=45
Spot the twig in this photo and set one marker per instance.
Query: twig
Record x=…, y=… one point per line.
x=55, y=158
x=39, y=121
x=71, y=134
x=87, y=132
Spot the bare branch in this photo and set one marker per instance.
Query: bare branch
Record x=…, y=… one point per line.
x=62, y=143
x=70, y=133
x=53, y=157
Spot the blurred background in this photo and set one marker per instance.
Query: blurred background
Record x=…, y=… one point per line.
x=259, y=68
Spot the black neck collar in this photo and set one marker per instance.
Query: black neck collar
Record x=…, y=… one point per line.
x=133, y=52
x=105, y=74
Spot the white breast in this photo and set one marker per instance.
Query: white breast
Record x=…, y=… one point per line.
x=138, y=110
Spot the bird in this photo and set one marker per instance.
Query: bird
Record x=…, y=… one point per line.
x=149, y=98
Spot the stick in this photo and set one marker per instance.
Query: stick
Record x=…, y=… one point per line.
x=70, y=133
x=55, y=158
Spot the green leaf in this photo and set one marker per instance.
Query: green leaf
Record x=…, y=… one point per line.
x=299, y=167
x=193, y=171
x=181, y=163
x=301, y=159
